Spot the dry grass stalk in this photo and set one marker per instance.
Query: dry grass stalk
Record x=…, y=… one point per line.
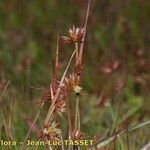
x=4, y=90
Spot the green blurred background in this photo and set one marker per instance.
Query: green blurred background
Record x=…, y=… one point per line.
x=116, y=73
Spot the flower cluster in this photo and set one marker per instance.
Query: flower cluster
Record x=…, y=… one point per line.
x=60, y=104
x=74, y=35
x=51, y=132
x=76, y=135
x=110, y=66
x=46, y=95
x=71, y=84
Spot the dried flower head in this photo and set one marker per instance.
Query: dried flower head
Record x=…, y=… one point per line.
x=72, y=84
x=76, y=134
x=60, y=103
x=60, y=106
x=46, y=95
x=51, y=132
x=110, y=66
x=75, y=35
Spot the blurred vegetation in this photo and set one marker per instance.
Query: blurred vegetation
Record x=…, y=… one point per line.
x=116, y=62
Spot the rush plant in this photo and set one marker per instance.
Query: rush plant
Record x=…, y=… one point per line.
x=58, y=91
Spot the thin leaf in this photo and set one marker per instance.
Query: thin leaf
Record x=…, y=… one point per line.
x=108, y=140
